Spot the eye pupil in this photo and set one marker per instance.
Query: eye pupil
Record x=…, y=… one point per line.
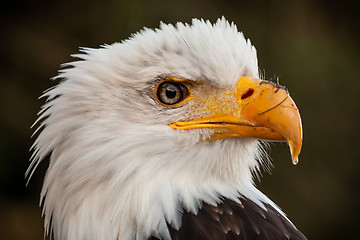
x=170, y=92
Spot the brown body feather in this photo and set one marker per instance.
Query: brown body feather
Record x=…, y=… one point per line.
x=233, y=221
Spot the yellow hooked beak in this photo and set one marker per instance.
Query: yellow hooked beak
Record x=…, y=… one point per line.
x=259, y=109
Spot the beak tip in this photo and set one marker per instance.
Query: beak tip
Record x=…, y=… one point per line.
x=295, y=149
x=295, y=160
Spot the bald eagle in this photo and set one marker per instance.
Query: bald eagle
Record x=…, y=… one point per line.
x=157, y=137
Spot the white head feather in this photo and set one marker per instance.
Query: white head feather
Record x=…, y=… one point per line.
x=117, y=170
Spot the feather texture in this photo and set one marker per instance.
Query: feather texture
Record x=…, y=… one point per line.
x=230, y=220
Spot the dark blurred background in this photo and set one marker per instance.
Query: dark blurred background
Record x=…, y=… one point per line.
x=312, y=45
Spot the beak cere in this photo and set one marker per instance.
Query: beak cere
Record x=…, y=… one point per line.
x=262, y=110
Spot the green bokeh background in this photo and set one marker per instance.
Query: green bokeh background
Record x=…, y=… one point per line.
x=312, y=45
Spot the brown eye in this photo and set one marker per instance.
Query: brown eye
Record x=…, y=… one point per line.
x=171, y=93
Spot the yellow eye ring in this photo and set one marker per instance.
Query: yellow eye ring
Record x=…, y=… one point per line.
x=171, y=93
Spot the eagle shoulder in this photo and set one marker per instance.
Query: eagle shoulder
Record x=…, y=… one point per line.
x=235, y=221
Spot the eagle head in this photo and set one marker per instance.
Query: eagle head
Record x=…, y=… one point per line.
x=139, y=132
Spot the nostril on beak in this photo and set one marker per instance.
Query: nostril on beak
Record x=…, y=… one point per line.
x=248, y=93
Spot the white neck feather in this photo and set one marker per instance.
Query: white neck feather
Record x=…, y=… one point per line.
x=92, y=192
